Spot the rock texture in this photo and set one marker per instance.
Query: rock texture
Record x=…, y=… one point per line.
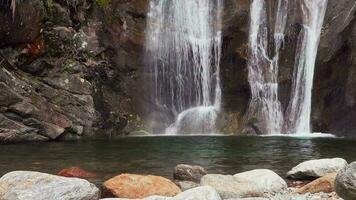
x=76, y=172
x=81, y=62
x=345, y=182
x=22, y=185
x=139, y=186
x=199, y=193
x=324, y=184
x=184, y=172
x=256, y=183
x=316, y=168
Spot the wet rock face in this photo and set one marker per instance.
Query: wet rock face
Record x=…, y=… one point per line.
x=81, y=62
x=23, y=25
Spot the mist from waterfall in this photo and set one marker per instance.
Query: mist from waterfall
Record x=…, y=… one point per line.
x=299, y=108
x=183, y=48
x=263, y=68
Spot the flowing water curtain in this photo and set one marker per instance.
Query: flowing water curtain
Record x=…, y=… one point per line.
x=299, y=108
x=264, y=104
x=183, y=54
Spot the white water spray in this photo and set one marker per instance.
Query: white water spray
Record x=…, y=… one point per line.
x=263, y=71
x=299, y=108
x=183, y=54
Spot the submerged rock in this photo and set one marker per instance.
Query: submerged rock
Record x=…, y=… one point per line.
x=139, y=186
x=316, y=168
x=323, y=184
x=193, y=173
x=25, y=185
x=76, y=172
x=199, y=193
x=345, y=182
x=255, y=183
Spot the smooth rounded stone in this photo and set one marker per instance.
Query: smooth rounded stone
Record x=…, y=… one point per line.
x=255, y=183
x=26, y=185
x=193, y=173
x=316, y=168
x=226, y=185
x=76, y=172
x=186, y=185
x=323, y=184
x=249, y=198
x=199, y=193
x=345, y=182
x=139, y=186
x=262, y=181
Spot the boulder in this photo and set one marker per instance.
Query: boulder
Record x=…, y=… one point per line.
x=26, y=185
x=255, y=183
x=186, y=185
x=324, y=184
x=193, y=173
x=139, y=186
x=316, y=168
x=76, y=172
x=225, y=185
x=345, y=182
x=199, y=193
x=262, y=181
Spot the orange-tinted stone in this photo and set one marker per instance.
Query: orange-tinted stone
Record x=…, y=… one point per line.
x=139, y=186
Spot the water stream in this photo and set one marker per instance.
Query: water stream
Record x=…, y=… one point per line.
x=263, y=68
x=299, y=108
x=183, y=54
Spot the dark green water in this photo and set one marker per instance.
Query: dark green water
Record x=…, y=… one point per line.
x=159, y=155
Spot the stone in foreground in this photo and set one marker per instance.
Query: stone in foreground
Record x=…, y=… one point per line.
x=316, y=168
x=192, y=173
x=199, y=193
x=345, y=182
x=324, y=184
x=139, y=186
x=255, y=183
x=25, y=185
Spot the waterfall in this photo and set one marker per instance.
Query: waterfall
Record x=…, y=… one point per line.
x=262, y=69
x=183, y=47
x=299, y=108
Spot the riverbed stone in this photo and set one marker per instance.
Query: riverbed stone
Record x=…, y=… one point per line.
x=255, y=183
x=262, y=181
x=323, y=184
x=26, y=185
x=316, y=168
x=345, y=182
x=76, y=172
x=198, y=193
x=186, y=185
x=139, y=186
x=185, y=172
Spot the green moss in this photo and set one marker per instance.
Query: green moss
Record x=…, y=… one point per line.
x=48, y=4
x=103, y=3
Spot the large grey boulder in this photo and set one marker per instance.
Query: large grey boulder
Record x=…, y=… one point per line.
x=199, y=193
x=345, y=182
x=26, y=185
x=262, y=181
x=316, y=168
x=255, y=183
x=226, y=185
x=193, y=173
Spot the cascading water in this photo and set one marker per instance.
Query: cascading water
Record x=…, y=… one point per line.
x=299, y=108
x=183, y=54
x=263, y=71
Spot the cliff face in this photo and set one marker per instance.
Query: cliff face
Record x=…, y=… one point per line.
x=72, y=68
